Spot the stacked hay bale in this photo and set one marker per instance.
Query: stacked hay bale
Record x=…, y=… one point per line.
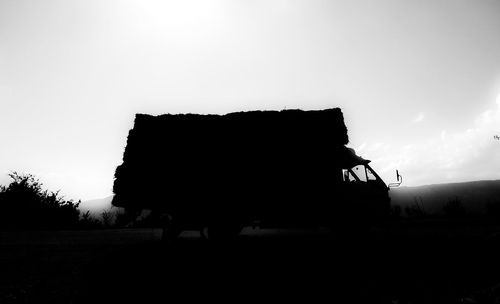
x=246, y=159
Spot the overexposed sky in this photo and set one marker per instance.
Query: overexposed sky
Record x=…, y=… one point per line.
x=418, y=81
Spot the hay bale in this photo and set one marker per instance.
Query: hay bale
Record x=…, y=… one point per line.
x=190, y=161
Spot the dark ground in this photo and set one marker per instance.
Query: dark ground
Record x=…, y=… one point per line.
x=413, y=262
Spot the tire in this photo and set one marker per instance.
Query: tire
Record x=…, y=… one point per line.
x=171, y=229
x=223, y=230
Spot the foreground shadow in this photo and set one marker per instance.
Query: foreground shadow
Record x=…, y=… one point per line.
x=312, y=268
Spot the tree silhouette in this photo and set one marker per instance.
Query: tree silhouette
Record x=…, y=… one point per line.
x=25, y=205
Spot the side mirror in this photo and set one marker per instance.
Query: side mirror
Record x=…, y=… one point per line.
x=399, y=180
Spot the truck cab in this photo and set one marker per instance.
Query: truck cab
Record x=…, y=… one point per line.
x=364, y=189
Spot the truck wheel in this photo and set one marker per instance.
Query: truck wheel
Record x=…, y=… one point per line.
x=169, y=234
x=171, y=229
x=223, y=232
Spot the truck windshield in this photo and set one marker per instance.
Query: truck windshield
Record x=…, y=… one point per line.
x=359, y=173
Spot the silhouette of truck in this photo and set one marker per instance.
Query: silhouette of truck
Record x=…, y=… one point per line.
x=286, y=169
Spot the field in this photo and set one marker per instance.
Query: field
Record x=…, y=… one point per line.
x=406, y=262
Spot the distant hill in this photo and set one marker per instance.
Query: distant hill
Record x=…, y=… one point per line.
x=473, y=195
x=96, y=206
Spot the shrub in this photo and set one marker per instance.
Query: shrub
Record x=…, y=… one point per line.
x=454, y=208
x=416, y=210
x=108, y=218
x=87, y=221
x=26, y=205
x=395, y=211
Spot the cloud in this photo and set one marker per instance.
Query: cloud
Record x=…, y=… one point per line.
x=420, y=117
x=471, y=154
x=361, y=147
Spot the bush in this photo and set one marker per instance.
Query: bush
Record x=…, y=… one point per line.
x=454, y=208
x=416, y=210
x=25, y=205
x=108, y=218
x=395, y=211
x=87, y=221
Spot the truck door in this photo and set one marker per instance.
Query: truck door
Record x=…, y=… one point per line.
x=365, y=192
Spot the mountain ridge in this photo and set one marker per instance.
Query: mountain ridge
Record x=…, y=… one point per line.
x=96, y=206
x=473, y=195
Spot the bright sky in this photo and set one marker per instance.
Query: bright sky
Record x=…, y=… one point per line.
x=418, y=81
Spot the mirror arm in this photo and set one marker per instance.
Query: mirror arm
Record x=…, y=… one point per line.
x=399, y=181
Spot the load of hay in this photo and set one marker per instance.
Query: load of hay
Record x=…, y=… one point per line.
x=247, y=158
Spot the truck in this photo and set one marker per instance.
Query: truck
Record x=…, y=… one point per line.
x=272, y=169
